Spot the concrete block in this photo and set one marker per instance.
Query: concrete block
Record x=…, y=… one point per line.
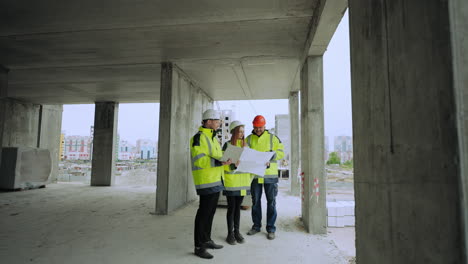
x=337, y=221
x=340, y=214
x=24, y=168
x=332, y=209
x=349, y=220
x=348, y=207
x=340, y=221
x=341, y=211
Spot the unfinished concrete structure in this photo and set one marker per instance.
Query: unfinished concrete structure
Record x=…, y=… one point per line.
x=409, y=81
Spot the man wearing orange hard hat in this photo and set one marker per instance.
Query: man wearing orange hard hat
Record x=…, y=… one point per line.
x=262, y=140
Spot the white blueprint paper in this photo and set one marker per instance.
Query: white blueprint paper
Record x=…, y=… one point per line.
x=232, y=152
x=253, y=161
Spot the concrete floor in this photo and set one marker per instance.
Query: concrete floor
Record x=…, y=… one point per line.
x=76, y=223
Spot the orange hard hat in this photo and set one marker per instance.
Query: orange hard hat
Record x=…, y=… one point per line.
x=259, y=121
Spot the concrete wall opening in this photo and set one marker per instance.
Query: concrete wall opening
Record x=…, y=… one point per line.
x=76, y=143
x=338, y=141
x=134, y=145
x=138, y=129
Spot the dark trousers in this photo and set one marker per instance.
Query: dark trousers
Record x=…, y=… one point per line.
x=271, y=190
x=233, y=212
x=204, y=219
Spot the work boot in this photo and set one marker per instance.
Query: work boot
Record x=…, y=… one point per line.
x=202, y=253
x=239, y=238
x=211, y=244
x=252, y=232
x=271, y=235
x=231, y=239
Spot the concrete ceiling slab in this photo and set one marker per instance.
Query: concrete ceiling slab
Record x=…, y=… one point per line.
x=81, y=93
x=244, y=79
x=281, y=37
x=111, y=50
x=52, y=16
x=331, y=14
x=85, y=84
x=86, y=74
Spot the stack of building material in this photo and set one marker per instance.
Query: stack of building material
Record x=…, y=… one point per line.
x=340, y=213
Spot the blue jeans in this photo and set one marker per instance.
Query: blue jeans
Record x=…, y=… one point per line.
x=271, y=190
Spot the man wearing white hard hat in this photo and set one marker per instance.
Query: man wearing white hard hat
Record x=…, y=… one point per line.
x=207, y=173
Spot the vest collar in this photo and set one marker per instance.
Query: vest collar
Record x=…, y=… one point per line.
x=207, y=131
x=264, y=133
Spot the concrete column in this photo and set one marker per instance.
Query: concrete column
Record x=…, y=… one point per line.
x=295, y=143
x=314, y=211
x=3, y=82
x=3, y=94
x=50, y=131
x=180, y=117
x=164, y=145
x=20, y=123
x=459, y=37
x=104, y=143
x=406, y=152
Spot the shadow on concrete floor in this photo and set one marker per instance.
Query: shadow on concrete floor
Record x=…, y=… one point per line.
x=76, y=223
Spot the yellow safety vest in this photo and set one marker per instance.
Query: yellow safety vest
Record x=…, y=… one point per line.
x=265, y=143
x=236, y=183
x=207, y=170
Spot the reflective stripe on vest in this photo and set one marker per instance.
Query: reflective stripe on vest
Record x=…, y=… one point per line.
x=212, y=161
x=209, y=144
x=279, y=150
x=271, y=143
x=231, y=172
x=208, y=185
x=194, y=159
x=237, y=188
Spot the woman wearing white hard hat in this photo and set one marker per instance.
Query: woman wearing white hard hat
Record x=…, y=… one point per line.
x=236, y=186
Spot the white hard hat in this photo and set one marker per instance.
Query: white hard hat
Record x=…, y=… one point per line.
x=235, y=124
x=211, y=114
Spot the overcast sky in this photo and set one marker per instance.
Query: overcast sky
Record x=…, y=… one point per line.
x=135, y=122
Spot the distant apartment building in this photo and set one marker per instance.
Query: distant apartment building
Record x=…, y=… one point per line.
x=146, y=149
x=77, y=148
x=62, y=146
x=344, y=147
x=91, y=136
x=227, y=116
x=117, y=146
x=127, y=151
